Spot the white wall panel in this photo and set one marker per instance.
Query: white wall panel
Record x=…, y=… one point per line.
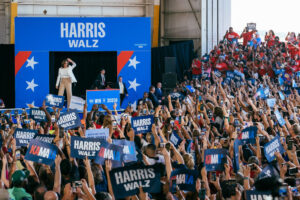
x=209, y=15
x=215, y=28
x=214, y=24
x=97, y=8
x=203, y=27
x=38, y=10
x=68, y=10
x=134, y=11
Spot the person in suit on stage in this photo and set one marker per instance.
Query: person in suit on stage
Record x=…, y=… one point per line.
x=100, y=82
x=152, y=96
x=158, y=92
x=123, y=91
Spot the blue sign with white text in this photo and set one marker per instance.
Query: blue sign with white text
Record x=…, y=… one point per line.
x=106, y=97
x=45, y=138
x=271, y=102
x=102, y=133
x=175, y=139
x=82, y=147
x=214, y=159
x=110, y=152
x=142, y=124
x=279, y=118
x=69, y=120
x=248, y=135
x=23, y=136
x=37, y=114
x=253, y=194
x=41, y=152
x=129, y=153
x=184, y=178
x=271, y=147
x=55, y=101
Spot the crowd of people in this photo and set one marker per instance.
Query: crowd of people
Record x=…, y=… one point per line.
x=236, y=87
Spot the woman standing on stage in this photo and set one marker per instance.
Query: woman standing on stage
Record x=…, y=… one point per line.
x=65, y=78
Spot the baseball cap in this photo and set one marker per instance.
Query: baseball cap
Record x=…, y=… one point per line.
x=19, y=176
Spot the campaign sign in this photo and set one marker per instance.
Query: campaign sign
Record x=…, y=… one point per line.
x=110, y=152
x=175, y=95
x=77, y=103
x=184, y=178
x=106, y=97
x=279, y=118
x=37, y=114
x=97, y=133
x=126, y=181
x=229, y=75
x=214, y=159
x=271, y=102
x=45, y=138
x=82, y=147
x=248, y=135
x=266, y=92
x=69, y=120
x=129, y=153
x=190, y=88
x=23, y=136
x=218, y=73
x=282, y=97
x=175, y=139
x=253, y=194
x=55, y=101
x=142, y=124
x=236, y=164
x=267, y=172
x=237, y=78
x=251, y=26
x=41, y=152
x=271, y=147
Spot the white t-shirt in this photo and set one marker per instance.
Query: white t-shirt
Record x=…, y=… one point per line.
x=64, y=73
x=121, y=86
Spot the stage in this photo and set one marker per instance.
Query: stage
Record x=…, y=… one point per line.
x=122, y=46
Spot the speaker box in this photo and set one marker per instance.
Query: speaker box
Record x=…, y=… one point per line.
x=170, y=64
x=169, y=80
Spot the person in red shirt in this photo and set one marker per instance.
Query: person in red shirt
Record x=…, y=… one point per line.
x=231, y=36
x=196, y=68
x=270, y=38
x=247, y=36
x=222, y=65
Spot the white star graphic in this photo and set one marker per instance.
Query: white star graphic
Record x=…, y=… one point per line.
x=133, y=62
x=30, y=104
x=133, y=84
x=31, y=63
x=31, y=85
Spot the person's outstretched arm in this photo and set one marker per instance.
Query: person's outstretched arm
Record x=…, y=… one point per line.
x=73, y=63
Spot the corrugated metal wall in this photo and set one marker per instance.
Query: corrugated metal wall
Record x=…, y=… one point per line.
x=86, y=8
x=4, y=23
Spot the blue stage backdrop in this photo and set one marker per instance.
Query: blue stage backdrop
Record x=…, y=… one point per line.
x=35, y=37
